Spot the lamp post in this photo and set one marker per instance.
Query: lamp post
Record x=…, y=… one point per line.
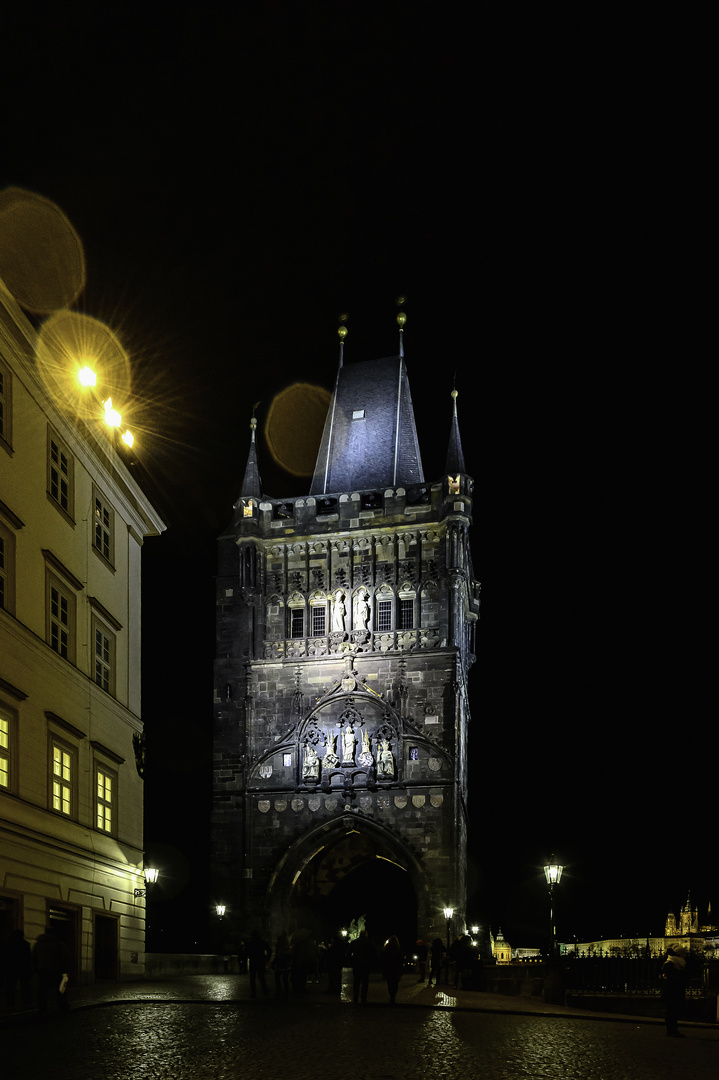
x=448, y=913
x=553, y=873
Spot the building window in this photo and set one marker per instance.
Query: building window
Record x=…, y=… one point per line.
x=63, y=777
x=7, y=748
x=61, y=619
x=5, y=406
x=297, y=628
x=318, y=620
x=103, y=656
x=384, y=615
x=406, y=614
x=105, y=798
x=60, y=473
x=104, y=523
x=7, y=569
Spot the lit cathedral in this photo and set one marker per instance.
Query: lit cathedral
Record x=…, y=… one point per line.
x=345, y=634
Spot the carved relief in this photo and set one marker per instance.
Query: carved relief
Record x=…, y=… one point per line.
x=365, y=759
x=385, y=761
x=311, y=764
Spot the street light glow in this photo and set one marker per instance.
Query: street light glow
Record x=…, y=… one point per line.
x=112, y=416
x=86, y=376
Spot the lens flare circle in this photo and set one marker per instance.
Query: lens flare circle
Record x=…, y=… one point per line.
x=294, y=426
x=42, y=261
x=69, y=342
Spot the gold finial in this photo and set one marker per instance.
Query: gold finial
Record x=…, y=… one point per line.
x=342, y=329
x=401, y=316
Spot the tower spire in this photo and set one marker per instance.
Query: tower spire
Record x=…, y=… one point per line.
x=401, y=321
x=251, y=483
x=455, y=457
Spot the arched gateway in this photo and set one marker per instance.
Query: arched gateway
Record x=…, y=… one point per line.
x=345, y=627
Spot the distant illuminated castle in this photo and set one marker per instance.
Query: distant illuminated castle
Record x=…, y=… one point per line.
x=688, y=922
x=686, y=931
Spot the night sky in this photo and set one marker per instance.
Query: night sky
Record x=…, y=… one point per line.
x=239, y=178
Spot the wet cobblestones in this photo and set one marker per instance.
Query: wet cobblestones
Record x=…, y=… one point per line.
x=300, y=1039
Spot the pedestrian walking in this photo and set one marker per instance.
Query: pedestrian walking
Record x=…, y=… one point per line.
x=435, y=960
x=673, y=978
x=334, y=958
x=258, y=953
x=392, y=965
x=304, y=959
x=51, y=961
x=363, y=955
x=16, y=966
x=281, y=964
x=421, y=952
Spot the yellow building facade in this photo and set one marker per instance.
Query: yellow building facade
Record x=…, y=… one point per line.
x=72, y=525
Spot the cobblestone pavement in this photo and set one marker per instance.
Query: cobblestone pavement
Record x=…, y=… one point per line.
x=217, y=1033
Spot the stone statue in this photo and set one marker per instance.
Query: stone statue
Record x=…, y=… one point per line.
x=365, y=757
x=385, y=760
x=349, y=741
x=311, y=764
x=330, y=760
x=361, y=610
x=338, y=611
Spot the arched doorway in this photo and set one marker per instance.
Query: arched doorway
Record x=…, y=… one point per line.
x=345, y=870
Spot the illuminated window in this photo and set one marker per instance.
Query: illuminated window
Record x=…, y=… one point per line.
x=60, y=473
x=7, y=569
x=5, y=407
x=103, y=656
x=105, y=796
x=7, y=748
x=384, y=615
x=63, y=771
x=104, y=525
x=61, y=618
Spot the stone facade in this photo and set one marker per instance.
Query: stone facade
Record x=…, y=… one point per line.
x=345, y=632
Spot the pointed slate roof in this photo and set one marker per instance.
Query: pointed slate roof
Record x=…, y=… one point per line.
x=251, y=483
x=370, y=436
x=455, y=458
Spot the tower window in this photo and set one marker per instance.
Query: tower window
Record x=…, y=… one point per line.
x=384, y=616
x=406, y=614
x=297, y=628
x=318, y=621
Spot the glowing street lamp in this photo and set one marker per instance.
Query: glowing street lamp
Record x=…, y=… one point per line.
x=112, y=416
x=151, y=875
x=220, y=909
x=448, y=913
x=553, y=873
x=86, y=376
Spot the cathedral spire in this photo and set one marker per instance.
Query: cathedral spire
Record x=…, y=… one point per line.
x=251, y=483
x=455, y=458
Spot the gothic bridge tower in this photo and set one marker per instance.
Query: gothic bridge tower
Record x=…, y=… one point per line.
x=345, y=633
